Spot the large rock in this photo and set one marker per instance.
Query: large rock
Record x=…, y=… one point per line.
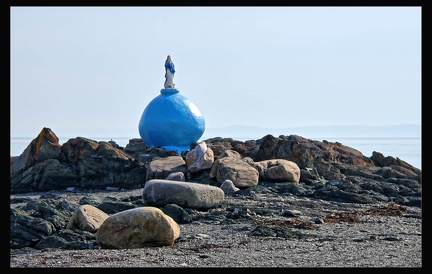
x=185, y=194
x=230, y=166
x=279, y=170
x=176, y=176
x=137, y=228
x=199, y=158
x=50, y=174
x=27, y=230
x=87, y=218
x=80, y=163
x=45, y=146
x=309, y=153
x=161, y=168
x=326, y=160
x=229, y=188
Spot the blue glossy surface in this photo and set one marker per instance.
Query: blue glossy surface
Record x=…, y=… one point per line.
x=171, y=121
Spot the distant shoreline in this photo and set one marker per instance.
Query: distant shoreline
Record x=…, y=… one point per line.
x=393, y=131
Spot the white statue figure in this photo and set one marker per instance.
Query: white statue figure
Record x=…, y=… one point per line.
x=169, y=73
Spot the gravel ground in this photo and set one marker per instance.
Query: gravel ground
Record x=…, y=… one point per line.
x=376, y=241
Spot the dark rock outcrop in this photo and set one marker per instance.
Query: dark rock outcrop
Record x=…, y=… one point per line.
x=79, y=163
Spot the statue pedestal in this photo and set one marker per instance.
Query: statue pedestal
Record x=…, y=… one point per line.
x=171, y=121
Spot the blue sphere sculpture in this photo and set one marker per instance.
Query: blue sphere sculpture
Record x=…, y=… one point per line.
x=171, y=121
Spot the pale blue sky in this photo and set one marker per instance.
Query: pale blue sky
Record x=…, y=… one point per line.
x=94, y=68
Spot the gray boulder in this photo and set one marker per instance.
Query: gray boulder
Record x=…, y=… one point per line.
x=161, y=168
x=176, y=176
x=229, y=188
x=185, y=194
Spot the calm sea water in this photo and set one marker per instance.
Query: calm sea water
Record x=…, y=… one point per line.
x=407, y=149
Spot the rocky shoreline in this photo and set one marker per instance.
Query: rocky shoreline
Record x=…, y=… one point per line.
x=293, y=202
x=260, y=229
